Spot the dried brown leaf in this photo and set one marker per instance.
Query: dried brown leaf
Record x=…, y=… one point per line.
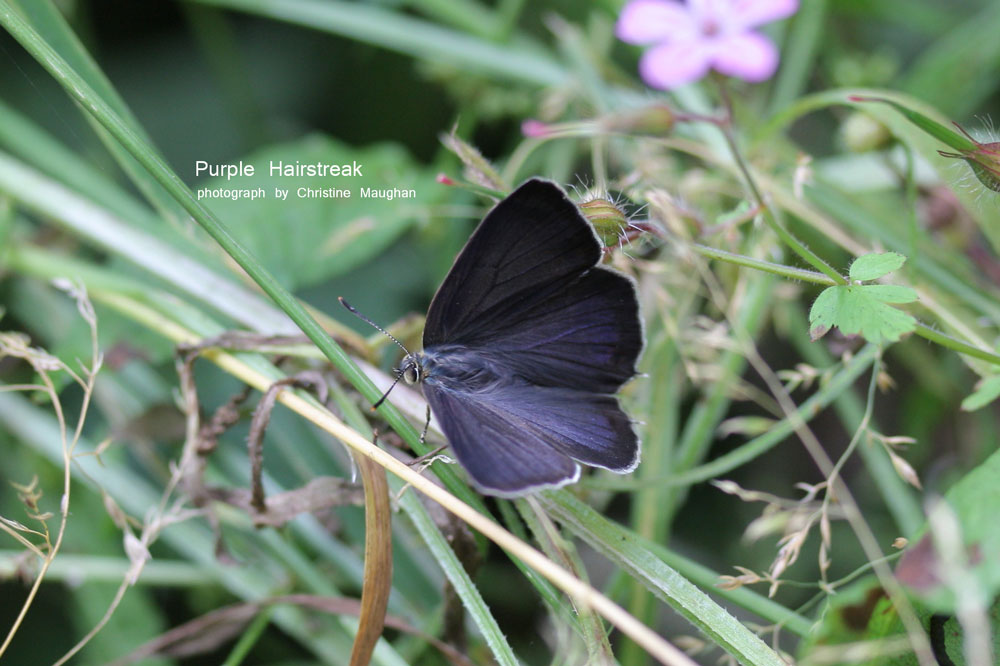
x=377, y=583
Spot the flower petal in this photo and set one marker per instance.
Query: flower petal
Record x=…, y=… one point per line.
x=651, y=21
x=749, y=56
x=671, y=65
x=752, y=13
x=714, y=17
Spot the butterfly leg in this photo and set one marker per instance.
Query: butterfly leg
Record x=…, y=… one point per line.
x=416, y=462
x=423, y=437
x=427, y=424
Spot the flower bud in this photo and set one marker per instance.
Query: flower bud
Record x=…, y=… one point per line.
x=862, y=133
x=655, y=120
x=477, y=168
x=535, y=129
x=609, y=221
x=984, y=159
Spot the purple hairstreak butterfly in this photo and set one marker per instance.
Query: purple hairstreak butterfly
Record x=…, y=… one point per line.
x=526, y=343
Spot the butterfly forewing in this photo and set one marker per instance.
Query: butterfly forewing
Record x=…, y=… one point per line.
x=582, y=335
x=530, y=240
x=538, y=303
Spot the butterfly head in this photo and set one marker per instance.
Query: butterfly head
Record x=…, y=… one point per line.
x=412, y=369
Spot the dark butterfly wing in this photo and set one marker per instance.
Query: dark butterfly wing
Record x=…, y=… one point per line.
x=584, y=335
x=513, y=438
x=525, y=289
x=533, y=237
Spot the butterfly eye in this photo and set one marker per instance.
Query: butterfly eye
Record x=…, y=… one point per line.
x=411, y=375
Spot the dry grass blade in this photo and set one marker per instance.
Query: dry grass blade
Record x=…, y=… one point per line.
x=259, y=423
x=378, y=560
x=659, y=648
x=218, y=626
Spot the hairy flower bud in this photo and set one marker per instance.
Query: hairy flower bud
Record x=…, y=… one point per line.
x=983, y=158
x=608, y=219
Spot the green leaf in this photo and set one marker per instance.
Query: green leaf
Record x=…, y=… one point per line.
x=928, y=125
x=629, y=552
x=861, y=617
x=873, y=266
x=304, y=241
x=522, y=60
x=864, y=310
x=891, y=293
x=974, y=503
x=986, y=392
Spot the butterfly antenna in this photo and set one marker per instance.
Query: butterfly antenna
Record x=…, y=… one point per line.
x=399, y=375
x=363, y=318
x=378, y=403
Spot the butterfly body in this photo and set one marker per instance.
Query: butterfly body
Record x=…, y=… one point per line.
x=525, y=344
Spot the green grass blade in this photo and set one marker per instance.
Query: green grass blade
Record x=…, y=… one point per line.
x=459, y=578
x=414, y=37
x=151, y=161
x=46, y=19
x=698, y=608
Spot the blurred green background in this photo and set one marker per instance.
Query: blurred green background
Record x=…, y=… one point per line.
x=211, y=84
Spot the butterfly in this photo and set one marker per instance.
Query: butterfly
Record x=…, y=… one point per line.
x=525, y=344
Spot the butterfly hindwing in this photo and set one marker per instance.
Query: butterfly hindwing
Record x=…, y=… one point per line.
x=514, y=437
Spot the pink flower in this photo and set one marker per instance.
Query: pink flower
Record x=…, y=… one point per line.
x=689, y=39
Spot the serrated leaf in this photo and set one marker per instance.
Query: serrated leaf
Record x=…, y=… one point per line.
x=986, y=392
x=823, y=313
x=875, y=265
x=891, y=293
x=864, y=310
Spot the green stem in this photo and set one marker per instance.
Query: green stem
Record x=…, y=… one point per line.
x=249, y=637
x=633, y=554
x=937, y=337
x=107, y=569
x=898, y=496
x=699, y=429
x=789, y=272
x=663, y=398
x=759, y=445
x=786, y=237
x=777, y=434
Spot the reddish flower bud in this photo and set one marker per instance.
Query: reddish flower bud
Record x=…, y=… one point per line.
x=983, y=158
x=535, y=129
